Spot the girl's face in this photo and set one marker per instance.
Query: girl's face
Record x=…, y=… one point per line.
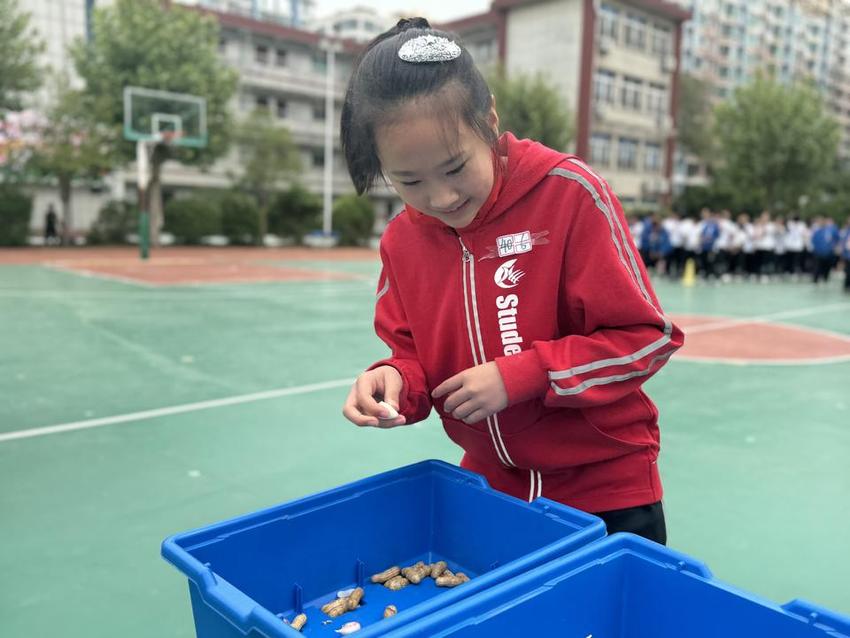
x=444, y=174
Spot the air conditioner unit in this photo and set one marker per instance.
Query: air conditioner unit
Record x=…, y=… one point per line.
x=605, y=45
x=668, y=63
x=600, y=111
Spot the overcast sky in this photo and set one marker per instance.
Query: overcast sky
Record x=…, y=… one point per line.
x=435, y=10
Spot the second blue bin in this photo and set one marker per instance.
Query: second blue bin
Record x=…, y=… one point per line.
x=248, y=575
x=624, y=587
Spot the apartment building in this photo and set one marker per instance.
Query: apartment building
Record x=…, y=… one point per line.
x=615, y=64
x=729, y=41
x=360, y=24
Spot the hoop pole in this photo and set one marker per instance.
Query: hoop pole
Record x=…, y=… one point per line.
x=141, y=184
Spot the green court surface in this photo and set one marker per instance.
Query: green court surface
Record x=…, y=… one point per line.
x=179, y=406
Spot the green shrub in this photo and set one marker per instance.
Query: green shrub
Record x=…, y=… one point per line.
x=15, y=211
x=193, y=217
x=295, y=212
x=114, y=222
x=353, y=219
x=240, y=217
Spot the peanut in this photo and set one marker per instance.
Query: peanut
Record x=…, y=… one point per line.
x=336, y=607
x=396, y=583
x=438, y=568
x=355, y=598
x=298, y=622
x=391, y=610
x=415, y=573
x=386, y=575
x=452, y=580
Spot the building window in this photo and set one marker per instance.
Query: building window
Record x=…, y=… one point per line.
x=656, y=98
x=281, y=109
x=320, y=61
x=652, y=157
x=609, y=21
x=222, y=45
x=660, y=39
x=603, y=86
x=627, y=153
x=630, y=94
x=261, y=54
x=262, y=102
x=635, y=31
x=319, y=111
x=280, y=57
x=600, y=149
x=318, y=157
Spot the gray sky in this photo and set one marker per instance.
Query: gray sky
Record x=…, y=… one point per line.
x=435, y=10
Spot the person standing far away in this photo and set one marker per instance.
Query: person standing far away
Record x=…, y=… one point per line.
x=51, y=236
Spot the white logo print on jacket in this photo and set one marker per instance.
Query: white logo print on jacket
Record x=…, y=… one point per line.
x=506, y=276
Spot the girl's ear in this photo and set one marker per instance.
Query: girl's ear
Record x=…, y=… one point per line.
x=493, y=116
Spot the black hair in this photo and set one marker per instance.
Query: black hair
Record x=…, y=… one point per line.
x=381, y=81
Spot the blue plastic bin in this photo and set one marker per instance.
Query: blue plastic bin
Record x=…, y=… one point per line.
x=248, y=574
x=624, y=587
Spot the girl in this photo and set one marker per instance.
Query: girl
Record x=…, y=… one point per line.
x=511, y=296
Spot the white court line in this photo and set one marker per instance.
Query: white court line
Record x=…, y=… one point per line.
x=91, y=274
x=765, y=362
x=195, y=283
x=175, y=409
x=731, y=323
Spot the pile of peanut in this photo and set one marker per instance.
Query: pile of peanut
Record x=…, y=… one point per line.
x=396, y=578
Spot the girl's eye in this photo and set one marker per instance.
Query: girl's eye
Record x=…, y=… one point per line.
x=413, y=183
x=457, y=170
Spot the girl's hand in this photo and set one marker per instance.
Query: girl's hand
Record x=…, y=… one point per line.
x=381, y=384
x=474, y=394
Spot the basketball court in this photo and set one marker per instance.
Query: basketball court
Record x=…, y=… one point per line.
x=147, y=398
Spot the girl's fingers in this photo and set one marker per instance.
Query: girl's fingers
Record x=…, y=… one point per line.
x=475, y=417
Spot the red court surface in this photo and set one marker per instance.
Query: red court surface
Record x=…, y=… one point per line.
x=730, y=340
x=188, y=266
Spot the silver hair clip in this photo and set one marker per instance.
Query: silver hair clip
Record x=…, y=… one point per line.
x=429, y=48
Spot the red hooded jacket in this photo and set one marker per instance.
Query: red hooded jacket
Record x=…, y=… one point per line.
x=547, y=282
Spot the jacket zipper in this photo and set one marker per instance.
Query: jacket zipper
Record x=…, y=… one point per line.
x=478, y=356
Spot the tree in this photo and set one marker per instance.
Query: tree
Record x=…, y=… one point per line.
x=775, y=143
x=268, y=155
x=162, y=46
x=694, y=117
x=530, y=107
x=18, y=54
x=354, y=218
x=71, y=145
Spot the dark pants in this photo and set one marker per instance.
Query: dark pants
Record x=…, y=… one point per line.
x=847, y=275
x=823, y=266
x=644, y=520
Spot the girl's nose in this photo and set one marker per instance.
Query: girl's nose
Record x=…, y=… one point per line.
x=444, y=199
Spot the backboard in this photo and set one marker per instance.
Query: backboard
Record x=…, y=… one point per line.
x=154, y=115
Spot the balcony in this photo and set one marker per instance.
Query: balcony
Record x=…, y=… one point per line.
x=283, y=80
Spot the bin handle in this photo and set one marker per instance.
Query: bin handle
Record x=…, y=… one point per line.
x=820, y=615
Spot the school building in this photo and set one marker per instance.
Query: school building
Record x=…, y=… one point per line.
x=615, y=63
